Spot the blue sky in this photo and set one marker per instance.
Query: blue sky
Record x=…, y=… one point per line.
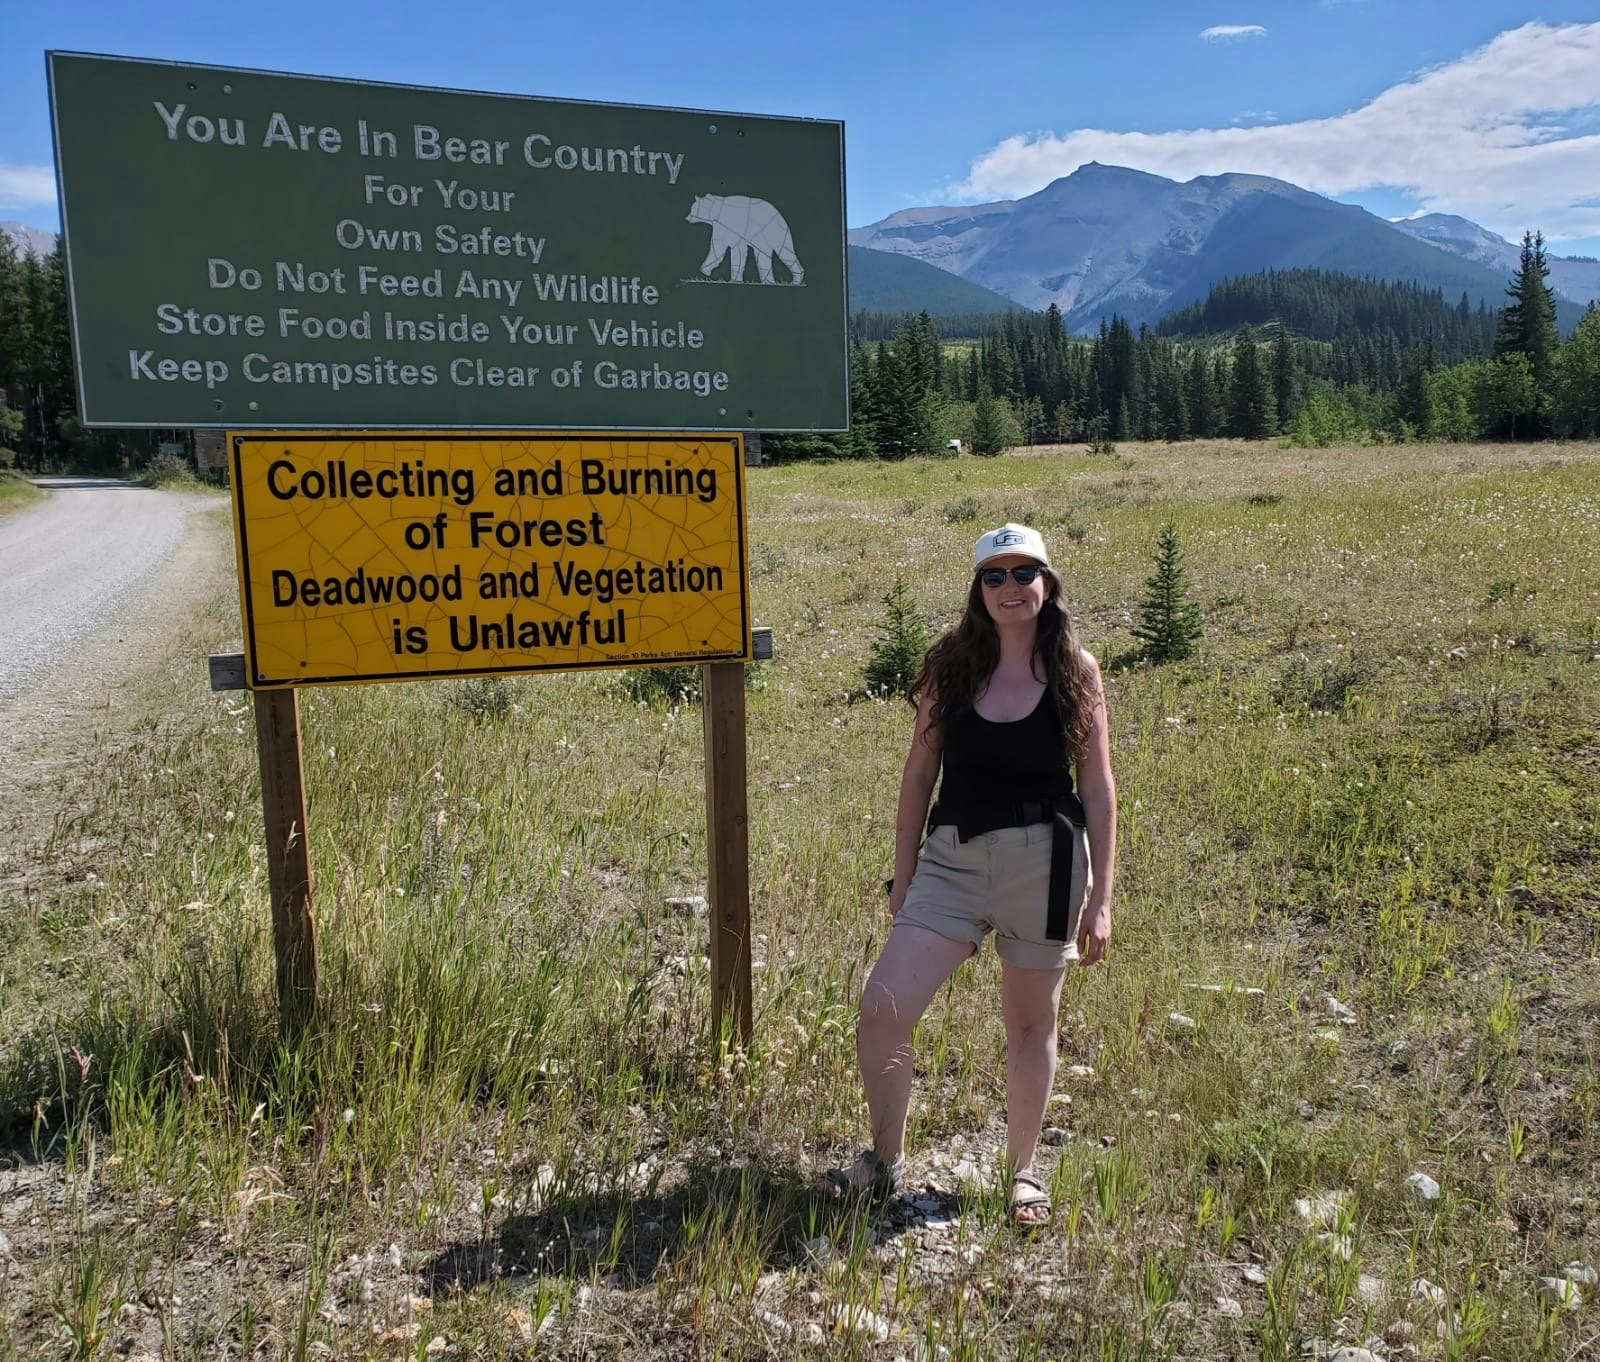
x=1478, y=107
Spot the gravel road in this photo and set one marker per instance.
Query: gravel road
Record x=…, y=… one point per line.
x=94, y=583
x=68, y=567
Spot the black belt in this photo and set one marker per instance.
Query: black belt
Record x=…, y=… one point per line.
x=1066, y=812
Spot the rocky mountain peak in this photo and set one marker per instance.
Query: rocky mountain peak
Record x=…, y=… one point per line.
x=1107, y=239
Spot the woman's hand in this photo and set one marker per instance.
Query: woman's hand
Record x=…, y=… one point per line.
x=1094, y=934
x=897, y=898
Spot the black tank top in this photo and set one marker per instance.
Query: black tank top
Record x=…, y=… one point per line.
x=988, y=763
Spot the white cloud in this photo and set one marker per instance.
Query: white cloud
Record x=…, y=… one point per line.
x=1499, y=135
x=1232, y=33
x=26, y=186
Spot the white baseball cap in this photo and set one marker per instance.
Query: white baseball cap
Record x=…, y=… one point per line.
x=1009, y=539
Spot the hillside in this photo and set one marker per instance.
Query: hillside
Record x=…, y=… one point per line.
x=883, y=282
x=1323, y=306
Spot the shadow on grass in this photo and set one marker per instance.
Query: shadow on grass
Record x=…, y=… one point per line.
x=762, y=1219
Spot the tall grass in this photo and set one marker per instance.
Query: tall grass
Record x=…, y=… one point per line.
x=1378, y=779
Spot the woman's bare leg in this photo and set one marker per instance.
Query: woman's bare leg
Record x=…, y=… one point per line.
x=913, y=967
x=1029, y=999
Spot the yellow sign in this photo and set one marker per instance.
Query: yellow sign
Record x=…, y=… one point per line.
x=399, y=557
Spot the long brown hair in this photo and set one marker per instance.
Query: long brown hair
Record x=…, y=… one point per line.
x=962, y=660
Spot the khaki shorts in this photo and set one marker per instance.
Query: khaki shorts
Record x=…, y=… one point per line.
x=997, y=882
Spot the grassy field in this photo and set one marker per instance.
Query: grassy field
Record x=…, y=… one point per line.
x=16, y=492
x=1356, y=937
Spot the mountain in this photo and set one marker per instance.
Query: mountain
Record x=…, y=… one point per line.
x=27, y=239
x=1573, y=278
x=1108, y=239
x=881, y=282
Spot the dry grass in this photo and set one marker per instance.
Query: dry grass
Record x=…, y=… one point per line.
x=1378, y=780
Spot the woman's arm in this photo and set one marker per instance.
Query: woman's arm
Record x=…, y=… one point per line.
x=1098, y=791
x=916, y=789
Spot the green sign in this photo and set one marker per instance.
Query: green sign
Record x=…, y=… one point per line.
x=252, y=249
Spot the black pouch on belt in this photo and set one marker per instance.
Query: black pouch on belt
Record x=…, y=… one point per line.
x=1069, y=870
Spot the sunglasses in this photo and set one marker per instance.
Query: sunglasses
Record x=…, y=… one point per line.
x=1022, y=576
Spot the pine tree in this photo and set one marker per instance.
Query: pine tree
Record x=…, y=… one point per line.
x=861, y=442
x=1200, y=397
x=1528, y=326
x=11, y=345
x=1169, y=622
x=917, y=349
x=1285, y=377
x=896, y=655
x=988, y=423
x=1063, y=420
x=892, y=405
x=1252, y=412
x=1221, y=378
x=1415, y=400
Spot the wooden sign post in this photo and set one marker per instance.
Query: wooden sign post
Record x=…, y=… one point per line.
x=283, y=799
x=727, y=845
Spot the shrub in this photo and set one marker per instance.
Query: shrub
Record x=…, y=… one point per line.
x=484, y=699
x=767, y=561
x=678, y=685
x=166, y=470
x=1326, y=418
x=898, y=652
x=10, y=434
x=1327, y=687
x=1039, y=517
x=961, y=510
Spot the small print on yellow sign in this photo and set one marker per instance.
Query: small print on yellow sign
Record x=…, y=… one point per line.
x=402, y=557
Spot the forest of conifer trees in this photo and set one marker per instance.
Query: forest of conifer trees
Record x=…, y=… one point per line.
x=1314, y=357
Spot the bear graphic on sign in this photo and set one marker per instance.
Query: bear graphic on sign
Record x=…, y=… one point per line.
x=740, y=225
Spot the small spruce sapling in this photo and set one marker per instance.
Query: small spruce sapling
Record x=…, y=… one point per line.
x=1169, y=622
x=1100, y=441
x=897, y=653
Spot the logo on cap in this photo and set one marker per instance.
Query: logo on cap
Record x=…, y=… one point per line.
x=1007, y=537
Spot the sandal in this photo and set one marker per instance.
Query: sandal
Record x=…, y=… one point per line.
x=868, y=1176
x=1030, y=1202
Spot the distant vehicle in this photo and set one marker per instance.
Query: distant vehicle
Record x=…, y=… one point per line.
x=955, y=445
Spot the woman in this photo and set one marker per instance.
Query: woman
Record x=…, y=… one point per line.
x=1010, y=706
